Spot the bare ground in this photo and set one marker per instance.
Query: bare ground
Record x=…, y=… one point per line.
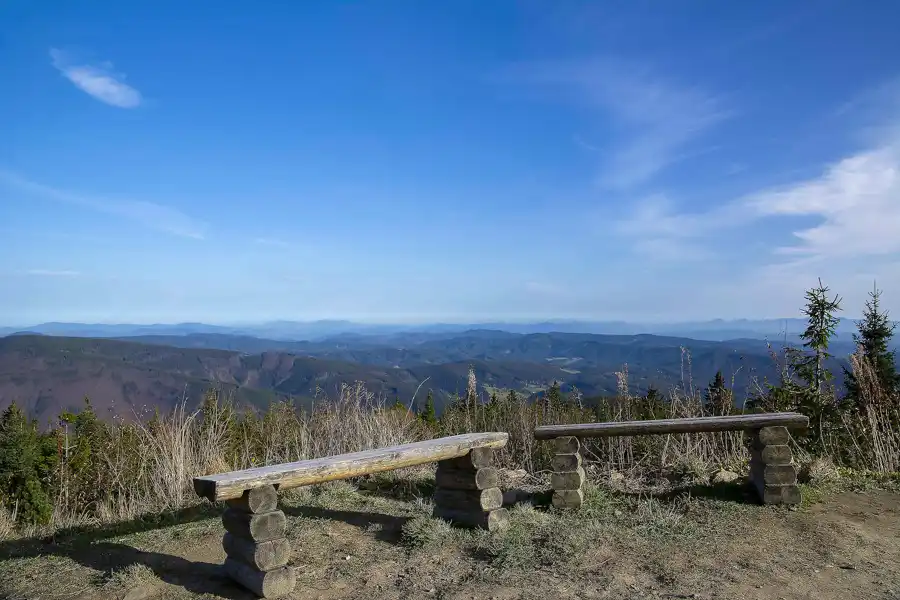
x=378, y=544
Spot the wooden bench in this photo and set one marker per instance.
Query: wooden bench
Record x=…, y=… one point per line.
x=772, y=472
x=466, y=493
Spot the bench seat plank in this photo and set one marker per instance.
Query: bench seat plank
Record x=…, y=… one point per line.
x=224, y=486
x=663, y=426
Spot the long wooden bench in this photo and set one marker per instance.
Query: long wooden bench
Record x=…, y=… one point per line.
x=466, y=493
x=772, y=472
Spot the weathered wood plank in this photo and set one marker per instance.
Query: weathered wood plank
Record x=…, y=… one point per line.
x=456, y=479
x=265, y=584
x=565, y=463
x=568, y=499
x=308, y=472
x=258, y=500
x=769, y=436
x=663, y=426
x=772, y=455
x=773, y=474
x=567, y=444
x=263, y=556
x=469, y=500
x=477, y=458
x=259, y=528
x=572, y=480
x=778, y=494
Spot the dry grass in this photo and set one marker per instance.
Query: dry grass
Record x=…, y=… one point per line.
x=147, y=468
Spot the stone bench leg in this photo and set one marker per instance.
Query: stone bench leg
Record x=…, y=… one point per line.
x=467, y=491
x=256, y=545
x=568, y=474
x=772, y=472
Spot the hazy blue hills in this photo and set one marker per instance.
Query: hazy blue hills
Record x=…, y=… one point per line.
x=714, y=330
x=49, y=373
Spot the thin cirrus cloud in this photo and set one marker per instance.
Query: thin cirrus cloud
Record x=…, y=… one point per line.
x=149, y=214
x=657, y=118
x=857, y=202
x=98, y=81
x=854, y=203
x=273, y=243
x=53, y=273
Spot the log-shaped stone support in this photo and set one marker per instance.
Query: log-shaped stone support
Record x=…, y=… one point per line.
x=256, y=545
x=467, y=491
x=772, y=472
x=568, y=474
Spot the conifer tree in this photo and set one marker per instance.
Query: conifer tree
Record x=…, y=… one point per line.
x=874, y=337
x=554, y=396
x=27, y=460
x=429, y=415
x=809, y=365
x=653, y=401
x=719, y=399
x=821, y=325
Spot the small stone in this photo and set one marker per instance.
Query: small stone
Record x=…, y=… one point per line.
x=141, y=592
x=616, y=479
x=723, y=476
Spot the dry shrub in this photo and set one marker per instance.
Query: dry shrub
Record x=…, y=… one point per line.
x=7, y=525
x=147, y=467
x=873, y=426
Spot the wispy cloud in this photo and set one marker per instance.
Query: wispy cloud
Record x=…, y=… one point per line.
x=656, y=118
x=98, y=81
x=52, y=273
x=854, y=204
x=583, y=144
x=856, y=199
x=274, y=243
x=154, y=216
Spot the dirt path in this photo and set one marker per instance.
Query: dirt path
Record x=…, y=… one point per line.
x=847, y=546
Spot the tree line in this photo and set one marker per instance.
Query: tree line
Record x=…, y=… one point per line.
x=71, y=464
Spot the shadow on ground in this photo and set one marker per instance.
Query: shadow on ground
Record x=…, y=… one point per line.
x=403, y=490
x=386, y=528
x=739, y=492
x=88, y=548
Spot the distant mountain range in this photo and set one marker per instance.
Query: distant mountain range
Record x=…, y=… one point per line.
x=714, y=330
x=49, y=373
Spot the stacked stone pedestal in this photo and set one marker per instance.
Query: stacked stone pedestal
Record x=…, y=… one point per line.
x=256, y=545
x=568, y=476
x=772, y=471
x=467, y=491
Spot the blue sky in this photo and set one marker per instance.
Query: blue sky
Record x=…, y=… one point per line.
x=405, y=161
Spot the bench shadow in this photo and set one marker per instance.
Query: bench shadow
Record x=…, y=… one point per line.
x=398, y=489
x=386, y=528
x=738, y=492
x=89, y=548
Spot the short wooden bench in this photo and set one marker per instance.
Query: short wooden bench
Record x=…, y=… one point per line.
x=466, y=493
x=772, y=472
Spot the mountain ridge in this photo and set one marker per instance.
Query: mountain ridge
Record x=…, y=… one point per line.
x=47, y=374
x=713, y=330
